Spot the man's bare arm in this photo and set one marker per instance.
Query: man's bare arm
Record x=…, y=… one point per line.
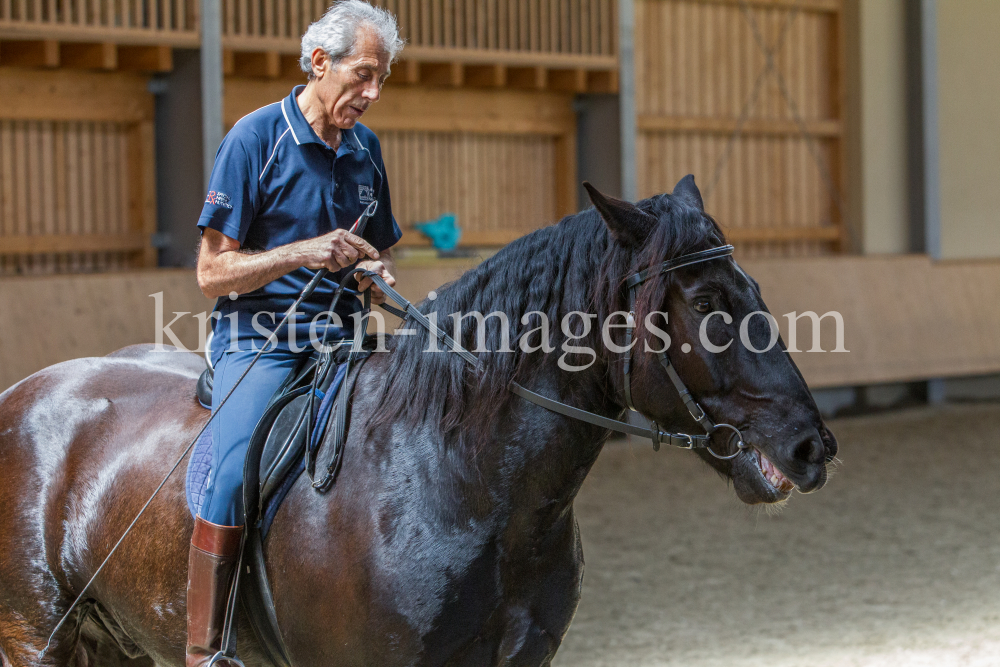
x=223, y=269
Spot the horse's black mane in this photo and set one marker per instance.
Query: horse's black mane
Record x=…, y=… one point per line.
x=575, y=265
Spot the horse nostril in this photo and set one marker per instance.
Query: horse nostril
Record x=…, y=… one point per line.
x=810, y=450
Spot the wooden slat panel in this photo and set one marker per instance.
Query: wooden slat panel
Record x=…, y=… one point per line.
x=513, y=26
x=64, y=203
x=698, y=64
x=482, y=179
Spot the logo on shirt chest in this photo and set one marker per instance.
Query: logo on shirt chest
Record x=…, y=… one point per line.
x=366, y=194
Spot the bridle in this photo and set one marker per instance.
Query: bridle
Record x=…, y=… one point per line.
x=658, y=437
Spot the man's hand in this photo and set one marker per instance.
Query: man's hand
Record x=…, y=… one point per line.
x=378, y=296
x=334, y=251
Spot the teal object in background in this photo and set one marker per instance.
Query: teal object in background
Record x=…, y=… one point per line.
x=443, y=232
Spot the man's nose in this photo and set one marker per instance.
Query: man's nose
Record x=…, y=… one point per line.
x=372, y=91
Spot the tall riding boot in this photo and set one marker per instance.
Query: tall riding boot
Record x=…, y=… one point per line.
x=214, y=552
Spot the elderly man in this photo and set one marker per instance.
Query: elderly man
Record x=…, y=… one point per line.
x=289, y=181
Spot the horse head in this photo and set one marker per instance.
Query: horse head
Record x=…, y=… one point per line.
x=722, y=342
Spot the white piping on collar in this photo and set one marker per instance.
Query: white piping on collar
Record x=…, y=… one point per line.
x=361, y=146
x=274, y=152
x=285, y=114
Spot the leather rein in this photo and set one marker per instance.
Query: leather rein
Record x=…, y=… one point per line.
x=657, y=436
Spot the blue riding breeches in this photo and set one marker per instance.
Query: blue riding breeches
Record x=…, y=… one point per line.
x=235, y=423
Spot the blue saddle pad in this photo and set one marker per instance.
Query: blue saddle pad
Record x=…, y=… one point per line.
x=200, y=464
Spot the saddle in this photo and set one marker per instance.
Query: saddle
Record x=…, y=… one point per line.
x=312, y=401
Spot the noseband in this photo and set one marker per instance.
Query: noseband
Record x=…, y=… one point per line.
x=658, y=437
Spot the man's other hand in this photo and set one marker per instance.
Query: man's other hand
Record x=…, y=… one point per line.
x=378, y=296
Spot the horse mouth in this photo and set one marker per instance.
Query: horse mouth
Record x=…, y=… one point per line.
x=770, y=474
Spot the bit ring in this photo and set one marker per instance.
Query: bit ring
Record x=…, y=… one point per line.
x=740, y=445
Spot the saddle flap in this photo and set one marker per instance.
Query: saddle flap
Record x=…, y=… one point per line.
x=285, y=444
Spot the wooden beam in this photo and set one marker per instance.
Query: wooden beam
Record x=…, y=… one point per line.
x=146, y=58
x=228, y=62
x=88, y=55
x=408, y=71
x=602, y=81
x=527, y=77
x=74, y=95
x=568, y=80
x=411, y=237
x=781, y=234
x=431, y=109
x=567, y=183
x=497, y=237
x=429, y=54
x=266, y=65
x=30, y=53
x=756, y=126
x=18, y=30
x=457, y=73
x=442, y=74
x=64, y=243
x=290, y=68
x=145, y=165
x=823, y=6
x=486, y=76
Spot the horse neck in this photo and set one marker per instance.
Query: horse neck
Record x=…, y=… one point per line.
x=535, y=459
x=548, y=456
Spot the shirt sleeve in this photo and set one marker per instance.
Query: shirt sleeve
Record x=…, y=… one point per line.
x=382, y=230
x=230, y=204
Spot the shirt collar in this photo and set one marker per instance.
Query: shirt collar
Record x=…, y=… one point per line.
x=302, y=131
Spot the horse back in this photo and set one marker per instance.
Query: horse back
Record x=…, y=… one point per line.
x=83, y=444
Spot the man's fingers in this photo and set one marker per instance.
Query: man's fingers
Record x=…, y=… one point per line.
x=340, y=258
x=362, y=245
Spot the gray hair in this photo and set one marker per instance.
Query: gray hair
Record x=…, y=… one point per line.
x=336, y=32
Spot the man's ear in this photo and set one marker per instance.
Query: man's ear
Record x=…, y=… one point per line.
x=629, y=225
x=320, y=62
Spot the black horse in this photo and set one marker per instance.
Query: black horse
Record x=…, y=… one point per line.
x=449, y=537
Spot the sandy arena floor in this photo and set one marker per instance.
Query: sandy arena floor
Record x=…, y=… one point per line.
x=896, y=563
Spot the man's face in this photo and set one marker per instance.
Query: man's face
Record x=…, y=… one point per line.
x=348, y=88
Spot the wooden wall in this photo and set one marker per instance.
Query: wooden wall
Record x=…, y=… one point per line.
x=77, y=182
x=503, y=161
x=534, y=26
x=768, y=166
x=926, y=320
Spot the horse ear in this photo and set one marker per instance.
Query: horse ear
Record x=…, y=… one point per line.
x=688, y=192
x=628, y=224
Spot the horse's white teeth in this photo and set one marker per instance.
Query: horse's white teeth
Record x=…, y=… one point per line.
x=772, y=474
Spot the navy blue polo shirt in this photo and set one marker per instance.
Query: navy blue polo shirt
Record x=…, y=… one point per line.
x=275, y=182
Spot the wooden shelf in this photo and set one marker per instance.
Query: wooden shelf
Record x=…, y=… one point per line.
x=782, y=234
x=72, y=243
x=752, y=126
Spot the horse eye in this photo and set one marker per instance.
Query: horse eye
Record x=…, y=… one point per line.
x=703, y=305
